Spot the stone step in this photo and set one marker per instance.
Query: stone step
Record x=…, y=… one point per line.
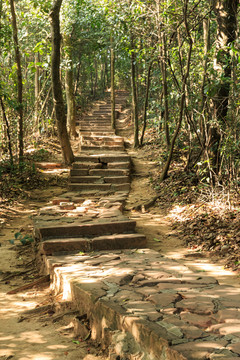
x=86, y=179
x=79, y=230
x=100, y=180
x=117, y=179
x=110, y=158
x=79, y=172
x=96, y=132
x=74, y=185
x=77, y=199
x=91, y=125
x=119, y=165
x=94, y=120
x=97, y=128
x=102, y=147
x=97, y=117
x=94, y=123
x=88, y=188
x=105, y=197
x=103, y=113
x=108, y=107
x=86, y=165
x=101, y=142
x=87, y=158
x=103, y=137
x=104, y=242
x=101, y=173
x=91, y=194
x=108, y=172
x=97, y=124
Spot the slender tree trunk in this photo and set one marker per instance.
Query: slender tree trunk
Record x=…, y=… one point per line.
x=103, y=78
x=161, y=114
x=92, y=81
x=96, y=76
x=113, y=114
x=19, y=82
x=183, y=96
x=163, y=64
x=44, y=103
x=162, y=48
x=57, y=86
x=226, y=14
x=134, y=93
x=77, y=77
x=146, y=102
x=206, y=40
x=38, y=99
x=71, y=108
x=8, y=131
x=37, y=91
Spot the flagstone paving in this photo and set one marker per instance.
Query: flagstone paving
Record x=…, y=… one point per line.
x=140, y=304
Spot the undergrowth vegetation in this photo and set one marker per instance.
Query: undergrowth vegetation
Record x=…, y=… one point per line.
x=17, y=180
x=207, y=217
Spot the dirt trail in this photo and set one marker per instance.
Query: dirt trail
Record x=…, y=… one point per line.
x=25, y=335
x=156, y=224
x=37, y=337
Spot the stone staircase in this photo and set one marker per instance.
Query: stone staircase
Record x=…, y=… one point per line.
x=104, y=173
x=139, y=304
x=96, y=133
x=99, y=184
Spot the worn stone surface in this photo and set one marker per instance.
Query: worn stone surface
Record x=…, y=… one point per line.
x=234, y=347
x=201, y=321
x=198, y=304
x=116, y=278
x=194, y=350
x=90, y=229
x=137, y=302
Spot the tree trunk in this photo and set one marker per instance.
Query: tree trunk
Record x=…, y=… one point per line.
x=96, y=76
x=36, y=92
x=146, y=102
x=206, y=40
x=19, y=82
x=163, y=62
x=162, y=48
x=44, y=104
x=57, y=86
x=71, y=108
x=183, y=96
x=134, y=94
x=103, y=77
x=113, y=117
x=226, y=14
x=8, y=131
x=77, y=76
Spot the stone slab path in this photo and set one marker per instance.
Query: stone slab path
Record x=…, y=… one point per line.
x=140, y=304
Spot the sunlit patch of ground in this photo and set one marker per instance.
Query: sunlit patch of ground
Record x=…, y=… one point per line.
x=30, y=337
x=164, y=223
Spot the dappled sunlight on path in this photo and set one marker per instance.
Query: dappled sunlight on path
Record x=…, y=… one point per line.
x=31, y=337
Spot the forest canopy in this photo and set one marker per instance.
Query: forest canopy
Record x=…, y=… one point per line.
x=180, y=58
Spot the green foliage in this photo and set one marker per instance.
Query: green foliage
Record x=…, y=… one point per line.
x=24, y=239
x=89, y=25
